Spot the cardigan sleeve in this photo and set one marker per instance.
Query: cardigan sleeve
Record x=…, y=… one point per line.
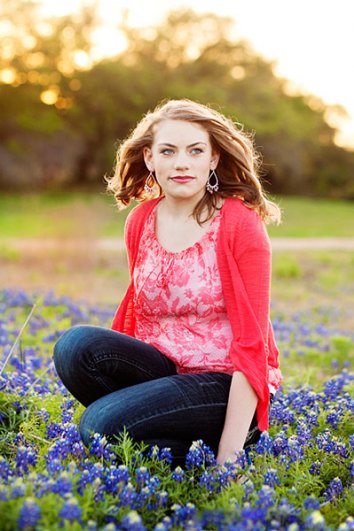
x=253, y=257
x=246, y=273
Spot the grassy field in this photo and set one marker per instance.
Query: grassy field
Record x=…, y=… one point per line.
x=298, y=476
x=74, y=215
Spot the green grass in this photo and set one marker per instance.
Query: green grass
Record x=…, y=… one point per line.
x=80, y=214
x=60, y=215
x=311, y=217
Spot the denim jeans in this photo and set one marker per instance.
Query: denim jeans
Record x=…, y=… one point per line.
x=125, y=383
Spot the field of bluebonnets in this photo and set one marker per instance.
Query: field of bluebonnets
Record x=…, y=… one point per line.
x=299, y=476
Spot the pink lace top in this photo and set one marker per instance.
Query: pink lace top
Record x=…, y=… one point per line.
x=179, y=303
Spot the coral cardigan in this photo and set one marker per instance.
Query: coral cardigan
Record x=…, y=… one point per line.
x=244, y=260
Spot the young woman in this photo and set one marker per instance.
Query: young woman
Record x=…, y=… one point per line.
x=191, y=354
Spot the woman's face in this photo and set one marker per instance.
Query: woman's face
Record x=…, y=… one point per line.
x=181, y=157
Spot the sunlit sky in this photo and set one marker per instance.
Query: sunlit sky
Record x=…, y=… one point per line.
x=312, y=41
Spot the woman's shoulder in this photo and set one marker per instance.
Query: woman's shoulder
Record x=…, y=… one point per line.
x=140, y=213
x=136, y=218
x=142, y=210
x=236, y=212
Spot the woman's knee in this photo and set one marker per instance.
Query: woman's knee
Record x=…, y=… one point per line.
x=97, y=419
x=69, y=348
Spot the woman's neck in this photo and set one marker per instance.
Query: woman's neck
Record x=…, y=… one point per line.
x=181, y=210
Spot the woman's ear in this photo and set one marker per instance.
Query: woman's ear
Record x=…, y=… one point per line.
x=215, y=157
x=148, y=158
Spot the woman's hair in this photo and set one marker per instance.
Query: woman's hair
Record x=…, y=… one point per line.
x=237, y=169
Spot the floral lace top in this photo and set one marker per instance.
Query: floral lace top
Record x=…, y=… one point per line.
x=179, y=303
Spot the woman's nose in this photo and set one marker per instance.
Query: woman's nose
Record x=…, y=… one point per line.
x=181, y=161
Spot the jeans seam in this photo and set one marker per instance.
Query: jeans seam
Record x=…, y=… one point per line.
x=107, y=357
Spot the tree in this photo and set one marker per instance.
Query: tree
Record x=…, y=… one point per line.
x=53, y=102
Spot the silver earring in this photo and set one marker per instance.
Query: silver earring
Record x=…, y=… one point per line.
x=150, y=182
x=213, y=183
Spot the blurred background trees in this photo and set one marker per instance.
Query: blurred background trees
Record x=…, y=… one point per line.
x=63, y=114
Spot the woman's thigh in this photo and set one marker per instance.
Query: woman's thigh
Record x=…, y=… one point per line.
x=93, y=361
x=183, y=407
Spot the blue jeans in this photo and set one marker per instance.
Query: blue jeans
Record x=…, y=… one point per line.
x=126, y=383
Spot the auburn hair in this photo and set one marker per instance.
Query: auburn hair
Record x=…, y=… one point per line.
x=237, y=170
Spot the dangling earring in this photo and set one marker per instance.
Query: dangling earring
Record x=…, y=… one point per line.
x=213, y=183
x=150, y=182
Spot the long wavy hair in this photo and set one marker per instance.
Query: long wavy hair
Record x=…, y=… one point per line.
x=237, y=170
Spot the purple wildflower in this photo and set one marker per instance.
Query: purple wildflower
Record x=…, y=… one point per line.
x=271, y=477
x=30, y=514
x=178, y=474
x=133, y=522
x=71, y=510
x=25, y=457
x=199, y=454
x=334, y=490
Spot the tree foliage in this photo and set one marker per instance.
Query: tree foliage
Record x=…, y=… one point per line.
x=63, y=114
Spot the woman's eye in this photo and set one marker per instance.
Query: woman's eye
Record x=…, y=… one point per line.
x=166, y=151
x=197, y=151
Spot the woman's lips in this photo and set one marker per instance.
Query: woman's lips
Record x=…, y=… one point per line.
x=182, y=178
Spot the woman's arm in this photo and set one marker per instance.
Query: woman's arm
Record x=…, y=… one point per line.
x=241, y=407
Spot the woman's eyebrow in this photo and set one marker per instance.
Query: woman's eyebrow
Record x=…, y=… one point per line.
x=172, y=145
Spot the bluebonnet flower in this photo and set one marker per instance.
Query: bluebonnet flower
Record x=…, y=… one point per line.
x=127, y=496
x=286, y=513
x=5, y=469
x=248, y=489
x=98, y=490
x=183, y=513
x=62, y=484
x=133, y=522
x=315, y=468
x=271, y=477
x=142, y=475
x=17, y=488
x=210, y=480
x=265, y=443
x=115, y=477
x=265, y=497
x=71, y=510
x=315, y=521
x=160, y=454
x=24, y=457
x=280, y=443
x=294, y=450
x=43, y=414
x=178, y=474
x=30, y=514
x=199, y=454
x=54, y=466
x=99, y=446
x=334, y=489
x=161, y=498
x=311, y=503
x=53, y=430
x=253, y=518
